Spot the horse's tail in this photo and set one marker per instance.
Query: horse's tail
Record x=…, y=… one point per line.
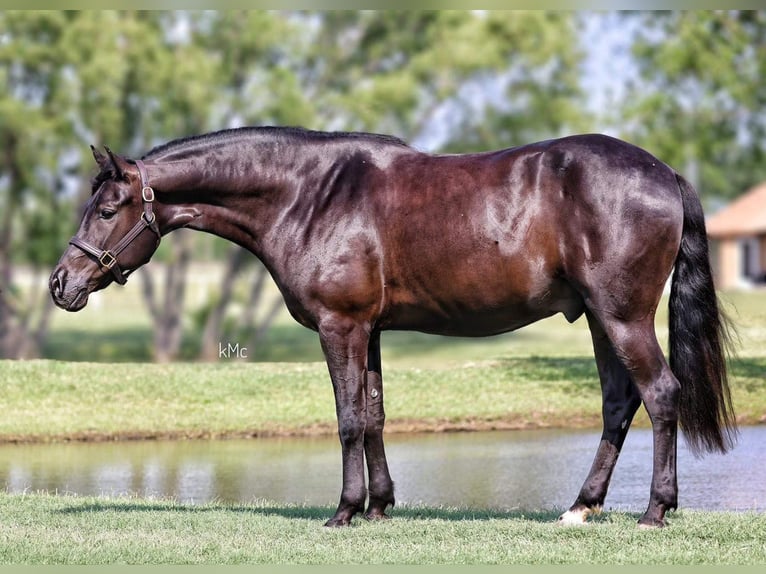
x=699, y=337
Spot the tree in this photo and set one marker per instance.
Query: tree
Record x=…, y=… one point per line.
x=539, y=95
x=125, y=79
x=414, y=72
x=31, y=131
x=698, y=103
x=138, y=82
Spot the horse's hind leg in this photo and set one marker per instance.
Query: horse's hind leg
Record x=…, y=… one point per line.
x=635, y=343
x=620, y=402
x=381, y=487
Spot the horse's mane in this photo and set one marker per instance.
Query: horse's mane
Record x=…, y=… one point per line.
x=269, y=132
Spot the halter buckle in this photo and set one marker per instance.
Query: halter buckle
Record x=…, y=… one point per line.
x=107, y=260
x=145, y=216
x=147, y=193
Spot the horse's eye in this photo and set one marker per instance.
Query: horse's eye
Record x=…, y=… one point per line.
x=107, y=213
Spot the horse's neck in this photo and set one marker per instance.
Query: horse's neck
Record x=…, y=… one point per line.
x=237, y=197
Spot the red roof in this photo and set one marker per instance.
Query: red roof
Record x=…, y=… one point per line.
x=744, y=216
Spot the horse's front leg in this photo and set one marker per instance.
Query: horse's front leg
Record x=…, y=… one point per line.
x=345, y=348
x=381, y=485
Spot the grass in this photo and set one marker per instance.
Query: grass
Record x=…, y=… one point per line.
x=47, y=400
x=52, y=400
x=39, y=529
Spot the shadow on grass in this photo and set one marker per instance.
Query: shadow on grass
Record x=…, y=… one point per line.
x=319, y=513
x=573, y=376
x=582, y=374
x=283, y=344
x=577, y=369
x=77, y=345
x=748, y=367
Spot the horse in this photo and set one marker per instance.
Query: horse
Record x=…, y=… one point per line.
x=363, y=233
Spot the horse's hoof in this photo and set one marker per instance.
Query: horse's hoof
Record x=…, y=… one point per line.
x=651, y=525
x=574, y=517
x=650, y=521
x=337, y=522
x=376, y=515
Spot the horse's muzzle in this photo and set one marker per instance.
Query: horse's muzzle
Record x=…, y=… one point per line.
x=64, y=294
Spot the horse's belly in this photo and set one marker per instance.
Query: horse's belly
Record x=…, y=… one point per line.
x=480, y=310
x=463, y=325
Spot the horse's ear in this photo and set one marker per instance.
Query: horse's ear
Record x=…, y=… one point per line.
x=120, y=164
x=100, y=158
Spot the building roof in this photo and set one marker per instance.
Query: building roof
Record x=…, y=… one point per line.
x=744, y=216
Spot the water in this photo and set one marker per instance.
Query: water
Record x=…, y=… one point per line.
x=499, y=470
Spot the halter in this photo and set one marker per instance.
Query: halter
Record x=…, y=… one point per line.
x=107, y=258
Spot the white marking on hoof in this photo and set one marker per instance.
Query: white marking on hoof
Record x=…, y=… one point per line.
x=574, y=517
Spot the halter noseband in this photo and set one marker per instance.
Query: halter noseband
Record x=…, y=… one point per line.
x=107, y=258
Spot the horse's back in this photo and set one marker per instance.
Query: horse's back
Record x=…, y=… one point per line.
x=469, y=243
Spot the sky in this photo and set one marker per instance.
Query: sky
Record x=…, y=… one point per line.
x=608, y=65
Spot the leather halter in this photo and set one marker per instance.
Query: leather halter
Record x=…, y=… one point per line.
x=107, y=258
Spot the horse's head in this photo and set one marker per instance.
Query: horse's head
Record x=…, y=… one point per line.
x=118, y=233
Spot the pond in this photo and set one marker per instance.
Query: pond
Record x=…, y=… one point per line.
x=500, y=470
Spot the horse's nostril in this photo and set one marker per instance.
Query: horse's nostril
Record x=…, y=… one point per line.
x=57, y=282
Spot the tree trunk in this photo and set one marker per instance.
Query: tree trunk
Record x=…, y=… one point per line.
x=258, y=331
x=7, y=329
x=20, y=338
x=247, y=320
x=22, y=332
x=12, y=336
x=213, y=331
x=166, y=309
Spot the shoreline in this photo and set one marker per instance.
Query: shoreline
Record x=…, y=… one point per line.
x=401, y=426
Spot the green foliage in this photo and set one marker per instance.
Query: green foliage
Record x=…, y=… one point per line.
x=30, y=134
x=396, y=71
x=540, y=93
x=699, y=100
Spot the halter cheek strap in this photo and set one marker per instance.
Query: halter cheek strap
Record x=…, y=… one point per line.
x=107, y=258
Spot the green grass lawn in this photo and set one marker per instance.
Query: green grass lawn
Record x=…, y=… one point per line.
x=50, y=400
x=37, y=529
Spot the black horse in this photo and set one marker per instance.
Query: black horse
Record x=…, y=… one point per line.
x=363, y=233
